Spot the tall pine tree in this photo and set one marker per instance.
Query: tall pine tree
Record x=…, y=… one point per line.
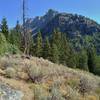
x=47, y=49
x=4, y=28
x=64, y=50
x=56, y=38
x=91, y=59
x=67, y=56
x=54, y=53
x=39, y=48
x=15, y=36
x=83, y=60
x=56, y=43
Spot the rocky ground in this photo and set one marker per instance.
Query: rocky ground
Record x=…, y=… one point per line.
x=8, y=93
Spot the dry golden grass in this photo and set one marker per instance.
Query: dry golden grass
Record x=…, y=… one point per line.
x=39, y=75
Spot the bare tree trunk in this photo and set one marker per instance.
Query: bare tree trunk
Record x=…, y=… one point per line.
x=25, y=34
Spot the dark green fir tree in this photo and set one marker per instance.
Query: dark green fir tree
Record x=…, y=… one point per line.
x=46, y=49
x=39, y=47
x=4, y=28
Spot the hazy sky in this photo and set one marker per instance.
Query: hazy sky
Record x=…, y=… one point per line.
x=12, y=8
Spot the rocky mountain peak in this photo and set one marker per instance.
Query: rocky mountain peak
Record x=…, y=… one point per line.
x=67, y=23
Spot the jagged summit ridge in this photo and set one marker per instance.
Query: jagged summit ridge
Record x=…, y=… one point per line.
x=71, y=24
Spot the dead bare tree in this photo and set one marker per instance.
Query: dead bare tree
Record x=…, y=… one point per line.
x=25, y=33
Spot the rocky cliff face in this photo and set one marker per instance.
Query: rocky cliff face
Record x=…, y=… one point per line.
x=39, y=22
x=71, y=24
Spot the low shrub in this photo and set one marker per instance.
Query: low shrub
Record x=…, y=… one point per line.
x=85, y=86
x=35, y=73
x=10, y=72
x=56, y=94
x=40, y=93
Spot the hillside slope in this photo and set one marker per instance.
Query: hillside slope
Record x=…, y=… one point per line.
x=39, y=79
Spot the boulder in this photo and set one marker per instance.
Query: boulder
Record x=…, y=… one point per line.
x=8, y=93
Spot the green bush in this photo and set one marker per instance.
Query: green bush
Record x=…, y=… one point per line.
x=12, y=49
x=3, y=43
x=6, y=47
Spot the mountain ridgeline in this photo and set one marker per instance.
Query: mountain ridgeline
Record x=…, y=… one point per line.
x=80, y=30
x=71, y=24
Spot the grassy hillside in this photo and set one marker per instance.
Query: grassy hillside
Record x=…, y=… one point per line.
x=40, y=79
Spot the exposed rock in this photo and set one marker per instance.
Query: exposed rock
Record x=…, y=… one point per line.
x=71, y=24
x=8, y=93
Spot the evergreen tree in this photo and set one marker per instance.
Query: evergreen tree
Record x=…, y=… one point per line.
x=54, y=54
x=57, y=38
x=15, y=36
x=4, y=28
x=64, y=50
x=83, y=60
x=56, y=42
x=46, y=49
x=88, y=41
x=6, y=47
x=3, y=43
x=17, y=27
x=97, y=42
x=39, y=49
x=91, y=59
x=71, y=61
x=67, y=56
